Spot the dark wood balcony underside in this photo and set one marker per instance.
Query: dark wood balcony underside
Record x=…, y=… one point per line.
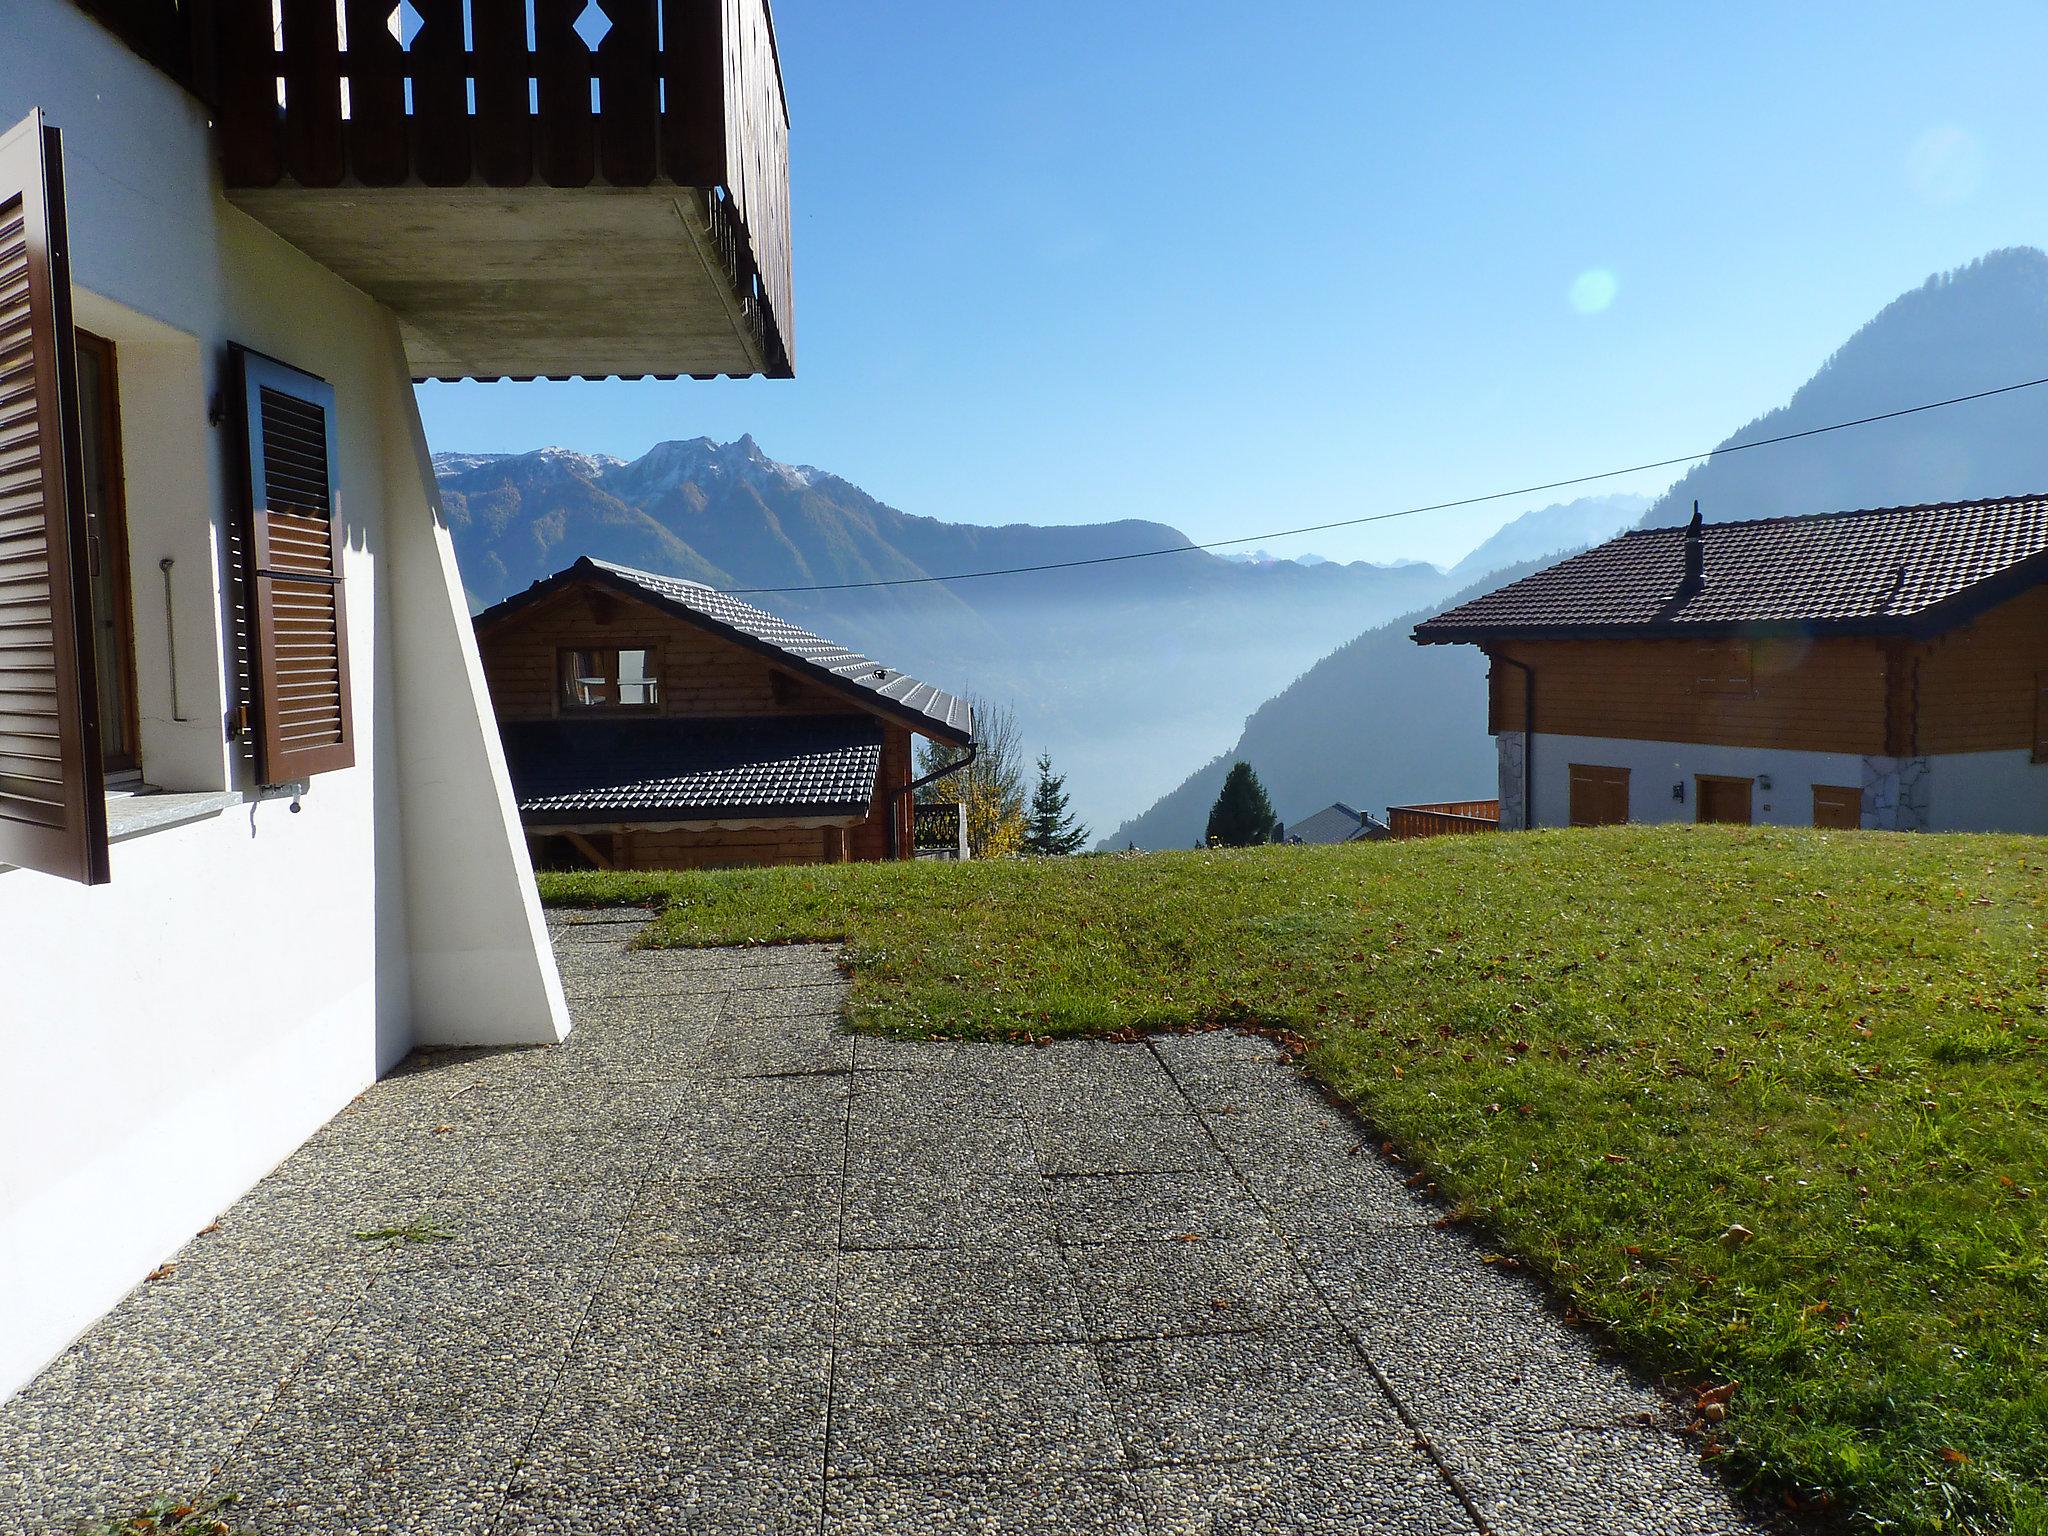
x=529, y=196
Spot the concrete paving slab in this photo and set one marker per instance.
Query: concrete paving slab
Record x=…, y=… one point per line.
x=1153, y=1290
x=969, y=1409
x=1079, y=1504
x=1236, y=1396
x=1381, y=1490
x=1154, y=1207
x=1022, y=1293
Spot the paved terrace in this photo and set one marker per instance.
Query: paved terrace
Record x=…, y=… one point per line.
x=716, y=1266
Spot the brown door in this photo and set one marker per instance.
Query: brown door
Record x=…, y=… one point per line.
x=1599, y=795
x=1836, y=805
x=1723, y=799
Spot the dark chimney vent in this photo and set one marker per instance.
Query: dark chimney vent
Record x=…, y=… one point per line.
x=1695, y=580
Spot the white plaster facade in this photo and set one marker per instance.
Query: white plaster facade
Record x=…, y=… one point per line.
x=1952, y=792
x=167, y=1038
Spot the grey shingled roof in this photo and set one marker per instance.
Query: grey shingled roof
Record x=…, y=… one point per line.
x=932, y=710
x=570, y=772
x=1889, y=570
x=1332, y=824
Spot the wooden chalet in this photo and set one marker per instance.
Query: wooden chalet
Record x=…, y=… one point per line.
x=1882, y=669
x=652, y=723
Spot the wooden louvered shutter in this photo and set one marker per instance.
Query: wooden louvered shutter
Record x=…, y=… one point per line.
x=292, y=586
x=53, y=808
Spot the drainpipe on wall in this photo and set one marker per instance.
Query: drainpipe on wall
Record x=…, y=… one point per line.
x=1528, y=738
x=902, y=795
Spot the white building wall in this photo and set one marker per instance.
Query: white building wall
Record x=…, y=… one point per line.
x=1958, y=792
x=1656, y=766
x=1988, y=792
x=169, y=1037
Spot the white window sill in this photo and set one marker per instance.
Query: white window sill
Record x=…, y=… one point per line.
x=133, y=815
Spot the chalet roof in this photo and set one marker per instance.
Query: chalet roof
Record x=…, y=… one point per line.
x=1892, y=570
x=1337, y=823
x=925, y=709
x=578, y=772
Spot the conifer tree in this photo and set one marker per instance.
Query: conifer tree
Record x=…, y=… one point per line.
x=1242, y=814
x=1053, y=830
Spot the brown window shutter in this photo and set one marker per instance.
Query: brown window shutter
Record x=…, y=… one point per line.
x=53, y=807
x=292, y=580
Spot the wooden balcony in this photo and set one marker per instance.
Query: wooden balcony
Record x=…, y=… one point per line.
x=535, y=187
x=1444, y=818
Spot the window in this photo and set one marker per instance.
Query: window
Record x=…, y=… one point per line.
x=1729, y=668
x=1599, y=795
x=610, y=677
x=1720, y=798
x=106, y=520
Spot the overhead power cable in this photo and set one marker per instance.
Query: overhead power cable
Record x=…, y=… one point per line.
x=1384, y=517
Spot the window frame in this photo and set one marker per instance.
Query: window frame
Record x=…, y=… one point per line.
x=566, y=708
x=108, y=544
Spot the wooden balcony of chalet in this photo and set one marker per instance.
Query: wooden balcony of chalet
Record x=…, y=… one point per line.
x=535, y=187
x=1444, y=818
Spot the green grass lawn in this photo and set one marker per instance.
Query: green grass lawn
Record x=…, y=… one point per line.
x=1609, y=1048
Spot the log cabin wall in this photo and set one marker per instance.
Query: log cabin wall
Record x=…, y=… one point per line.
x=1977, y=687
x=871, y=840
x=1973, y=689
x=700, y=673
x=1824, y=695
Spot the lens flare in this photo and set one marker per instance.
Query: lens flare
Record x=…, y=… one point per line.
x=1593, y=290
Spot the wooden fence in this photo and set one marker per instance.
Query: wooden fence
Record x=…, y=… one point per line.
x=1444, y=818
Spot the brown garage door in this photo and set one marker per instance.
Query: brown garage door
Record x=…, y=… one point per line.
x=1837, y=805
x=1599, y=795
x=1723, y=799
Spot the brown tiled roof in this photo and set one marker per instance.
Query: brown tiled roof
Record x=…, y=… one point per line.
x=928, y=710
x=1891, y=570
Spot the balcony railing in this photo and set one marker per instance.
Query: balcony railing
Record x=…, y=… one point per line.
x=939, y=830
x=502, y=93
x=1444, y=818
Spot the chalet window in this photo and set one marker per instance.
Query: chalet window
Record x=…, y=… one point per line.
x=1729, y=668
x=106, y=513
x=296, y=604
x=53, y=811
x=610, y=677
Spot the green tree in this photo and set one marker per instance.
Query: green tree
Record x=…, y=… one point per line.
x=991, y=787
x=1052, y=830
x=1242, y=815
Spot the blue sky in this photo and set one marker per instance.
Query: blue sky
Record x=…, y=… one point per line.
x=1239, y=267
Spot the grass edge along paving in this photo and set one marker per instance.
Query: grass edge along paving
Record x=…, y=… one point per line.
x=1617, y=1051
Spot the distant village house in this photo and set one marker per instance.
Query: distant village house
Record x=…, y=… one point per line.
x=652, y=723
x=1881, y=669
x=1337, y=823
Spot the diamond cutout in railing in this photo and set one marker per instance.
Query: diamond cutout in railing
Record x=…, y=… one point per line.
x=592, y=26
x=405, y=23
